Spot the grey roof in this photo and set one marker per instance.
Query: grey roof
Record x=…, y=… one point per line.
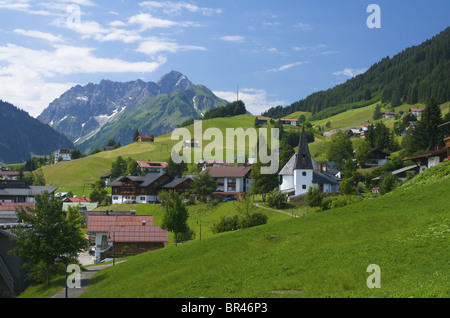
x=28, y=191
x=303, y=160
x=174, y=183
x=288, y=168
x=144, y=181
x=322, y=177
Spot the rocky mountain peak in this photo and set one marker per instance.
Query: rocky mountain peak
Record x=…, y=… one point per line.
x=174, y=81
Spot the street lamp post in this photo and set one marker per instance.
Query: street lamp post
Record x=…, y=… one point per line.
x=59, y=258
x=114, y=247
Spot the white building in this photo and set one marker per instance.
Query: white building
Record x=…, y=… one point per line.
x=302, y=172
x=64, y=154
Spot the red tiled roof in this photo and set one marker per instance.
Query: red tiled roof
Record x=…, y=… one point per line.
x=138, y=233
x=228, y=171
x=263, y=118
x=102, y=223
x=285, y=119
x=416, y=109
x=12, y=206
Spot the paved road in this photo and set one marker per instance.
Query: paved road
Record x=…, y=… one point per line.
x=84, y=279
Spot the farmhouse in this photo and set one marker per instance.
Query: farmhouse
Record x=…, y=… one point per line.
x=124, y=235
x=302, y=172
x=145, y=139
x=144, y=189
x=262, y=120
x=288, y=122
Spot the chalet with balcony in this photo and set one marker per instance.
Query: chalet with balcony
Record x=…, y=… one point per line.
x=231, y=181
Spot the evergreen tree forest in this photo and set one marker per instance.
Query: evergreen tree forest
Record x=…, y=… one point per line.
x=414, y=75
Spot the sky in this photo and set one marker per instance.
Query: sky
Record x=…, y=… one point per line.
x=269, y=52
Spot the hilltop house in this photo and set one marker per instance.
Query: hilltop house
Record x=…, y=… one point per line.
x=152, y=166
x=262, y=120
x=231, y=181
x=124, y=235
x=145, y=139
x=144, y=189
x=61, y=155
x=289, y=122
x=302, y=172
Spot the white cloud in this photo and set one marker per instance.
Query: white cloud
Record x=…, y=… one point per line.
x=303, y=26
x=152, y=46
x=175, y=8
x=256, y=100
x=39, y=35
x=233, y=38
x=350, y=72
x=147, y=21
x=286, y=67
x=36, y=71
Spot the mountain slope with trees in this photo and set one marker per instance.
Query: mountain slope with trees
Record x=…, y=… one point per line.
x=414, y=75
x=23, y=136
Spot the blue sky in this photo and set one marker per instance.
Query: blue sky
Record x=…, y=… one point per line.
x=276, y=51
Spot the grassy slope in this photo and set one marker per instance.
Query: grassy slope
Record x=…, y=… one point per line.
x=322, y=255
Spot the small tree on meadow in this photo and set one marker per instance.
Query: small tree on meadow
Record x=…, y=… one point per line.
x=175, y=215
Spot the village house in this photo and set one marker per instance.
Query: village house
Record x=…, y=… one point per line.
x=231, y=181
x=106, y=177
x=288, y=122
x=19, y=191
x=152, y=166
x=362, y=131
x=416, y=111
x=302, y=172
x=124, y=235
x=145, y=189
x=262, y=120
x=377, y=158
x=13, y=175
x=429, y=159
x=62, y=155
x=203, y=164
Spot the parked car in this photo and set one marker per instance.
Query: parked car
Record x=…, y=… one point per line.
x=230, y=198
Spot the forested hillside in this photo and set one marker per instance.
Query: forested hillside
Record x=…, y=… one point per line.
x=415, y=75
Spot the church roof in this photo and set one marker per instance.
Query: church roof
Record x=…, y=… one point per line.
x=289, y=167
x=303, y=159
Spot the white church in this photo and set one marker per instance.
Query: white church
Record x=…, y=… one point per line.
x=302, y=172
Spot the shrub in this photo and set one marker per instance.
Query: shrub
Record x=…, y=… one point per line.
x=387, y=184
x=257, y=218
x=226, y=224
x=276, y=199
x=314, y=197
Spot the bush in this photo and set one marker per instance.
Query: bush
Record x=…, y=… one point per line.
x=387, y=184
x=314, y=197
x=226, y=224
x=339, y=201
x=276, y=199
x=255, y=219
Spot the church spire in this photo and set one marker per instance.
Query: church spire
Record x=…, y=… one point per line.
x=303, y=160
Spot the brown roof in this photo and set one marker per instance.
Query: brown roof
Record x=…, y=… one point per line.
x=102, y=223
x=152, y=164
x=12, y=206
x=228, y=171
x=427, y=154
x=138, y=233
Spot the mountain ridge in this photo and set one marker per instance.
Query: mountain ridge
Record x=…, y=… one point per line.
x=81, y=112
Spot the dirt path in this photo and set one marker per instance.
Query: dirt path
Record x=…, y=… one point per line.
x=279, y=211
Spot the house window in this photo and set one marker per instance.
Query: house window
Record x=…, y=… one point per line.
x=304, y=173
x=304, y=186
x=115, y=190
x=142, y=198
x=115, y=198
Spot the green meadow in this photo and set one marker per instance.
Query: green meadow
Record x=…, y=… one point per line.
x=322, y=254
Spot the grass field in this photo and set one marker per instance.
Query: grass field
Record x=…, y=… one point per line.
x=324, y=254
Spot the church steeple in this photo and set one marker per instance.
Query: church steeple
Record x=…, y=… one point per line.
x=303, y=160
